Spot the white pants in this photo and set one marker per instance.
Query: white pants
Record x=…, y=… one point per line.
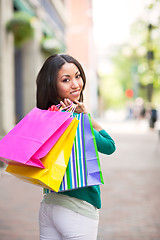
x=57, y=222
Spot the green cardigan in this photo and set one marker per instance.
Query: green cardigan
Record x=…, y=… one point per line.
x=106, y=145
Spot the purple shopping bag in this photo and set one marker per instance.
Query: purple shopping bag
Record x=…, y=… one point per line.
x=33, y=137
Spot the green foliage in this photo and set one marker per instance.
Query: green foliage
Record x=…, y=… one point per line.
x=50, y=45
x=111, y=90
x=21, y=26
x=122, y=69
x=132, y=67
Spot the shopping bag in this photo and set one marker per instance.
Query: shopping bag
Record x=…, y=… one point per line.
x=33, y=137
x=84, y=166
x=55, y=162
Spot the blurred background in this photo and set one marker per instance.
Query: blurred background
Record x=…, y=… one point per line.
x=118, y=44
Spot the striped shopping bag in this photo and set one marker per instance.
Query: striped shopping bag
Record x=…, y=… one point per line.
x=84, y=166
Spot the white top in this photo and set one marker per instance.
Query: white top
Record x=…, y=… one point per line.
x=80, y=206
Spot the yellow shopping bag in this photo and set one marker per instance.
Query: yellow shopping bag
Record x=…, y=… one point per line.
x=55, y=162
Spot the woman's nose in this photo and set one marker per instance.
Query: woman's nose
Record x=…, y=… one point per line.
x=74, y=83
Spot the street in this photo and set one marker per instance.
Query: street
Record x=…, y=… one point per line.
x=130, y=195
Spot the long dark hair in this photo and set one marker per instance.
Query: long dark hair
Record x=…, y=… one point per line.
x=47, y=79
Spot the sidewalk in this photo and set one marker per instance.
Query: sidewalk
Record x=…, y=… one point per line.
x=130, y=195
x=19, y=205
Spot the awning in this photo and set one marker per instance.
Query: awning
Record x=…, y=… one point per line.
x=22, y=5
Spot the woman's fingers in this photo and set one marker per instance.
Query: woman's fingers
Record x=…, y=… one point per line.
x=67, y=102
x=62, y=104
x=77, y=102
x=80, y=107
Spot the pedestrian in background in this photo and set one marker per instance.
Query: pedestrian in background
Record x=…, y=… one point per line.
x=153, y=117
x=71, y=214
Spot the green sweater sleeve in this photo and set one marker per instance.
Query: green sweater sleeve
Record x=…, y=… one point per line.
x=105, y=143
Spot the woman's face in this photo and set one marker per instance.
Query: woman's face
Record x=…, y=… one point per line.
x=69, y=82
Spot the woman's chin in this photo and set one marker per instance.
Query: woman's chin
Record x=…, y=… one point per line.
x=73, y=99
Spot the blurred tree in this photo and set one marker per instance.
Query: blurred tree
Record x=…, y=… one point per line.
x=136, y=64
x=114, y=84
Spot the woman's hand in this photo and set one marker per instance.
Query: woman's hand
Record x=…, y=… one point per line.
x=79, y=109
x=79, y=105
x=66, y=103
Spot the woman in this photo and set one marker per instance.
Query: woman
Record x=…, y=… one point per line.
x=71, y=214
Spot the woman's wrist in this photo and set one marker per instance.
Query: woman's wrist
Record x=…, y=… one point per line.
x=85, y=112
x=96, y=126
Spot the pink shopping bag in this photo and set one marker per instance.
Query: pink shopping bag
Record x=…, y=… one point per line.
x=33, y=137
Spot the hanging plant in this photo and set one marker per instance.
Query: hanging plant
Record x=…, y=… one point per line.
x=21, y=26
x=50, y=45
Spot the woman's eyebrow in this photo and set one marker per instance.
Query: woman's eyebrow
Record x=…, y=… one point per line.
x=65, y=75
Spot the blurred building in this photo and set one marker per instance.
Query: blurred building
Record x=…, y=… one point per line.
x=57, y=26
x=20, y=62
x=80, y=44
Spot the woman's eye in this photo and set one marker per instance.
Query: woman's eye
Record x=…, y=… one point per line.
x=66, y=80
x=78, y=76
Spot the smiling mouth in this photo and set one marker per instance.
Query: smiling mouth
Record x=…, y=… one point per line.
x=75, y=92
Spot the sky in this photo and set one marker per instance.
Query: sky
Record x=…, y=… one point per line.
x=112, y=19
